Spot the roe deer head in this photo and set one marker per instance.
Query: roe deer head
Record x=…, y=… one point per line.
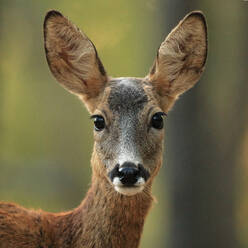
x=128, y=118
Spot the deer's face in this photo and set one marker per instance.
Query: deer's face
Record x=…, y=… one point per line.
x=129, y=130
x=128, y=113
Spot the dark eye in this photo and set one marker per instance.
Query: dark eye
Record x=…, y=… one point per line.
x=98, y=122
x=158, y=120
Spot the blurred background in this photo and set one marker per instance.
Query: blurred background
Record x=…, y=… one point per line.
x=46, y=135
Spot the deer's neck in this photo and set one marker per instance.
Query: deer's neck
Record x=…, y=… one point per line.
x=106, y=218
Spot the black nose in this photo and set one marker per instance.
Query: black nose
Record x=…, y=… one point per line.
x=128, y=174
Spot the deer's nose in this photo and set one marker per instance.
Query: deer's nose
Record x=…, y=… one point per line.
x=128, y=174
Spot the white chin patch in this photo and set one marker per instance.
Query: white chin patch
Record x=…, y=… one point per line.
x=137, y=188
x=129, y=190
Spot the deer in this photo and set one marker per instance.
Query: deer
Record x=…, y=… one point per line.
x=128, y=115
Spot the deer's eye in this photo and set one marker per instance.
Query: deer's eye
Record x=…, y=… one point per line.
x=98, y=122
x=157, y=120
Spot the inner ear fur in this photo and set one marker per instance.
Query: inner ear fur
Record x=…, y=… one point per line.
x=72, y=57
x=181, y=57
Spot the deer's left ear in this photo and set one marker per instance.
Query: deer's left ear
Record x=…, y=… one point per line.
x=181, y=58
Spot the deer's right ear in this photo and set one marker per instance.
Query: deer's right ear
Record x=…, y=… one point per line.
x=180, y=60
x=72, y=58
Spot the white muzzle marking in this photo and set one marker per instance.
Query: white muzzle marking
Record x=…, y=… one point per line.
x=129, y=191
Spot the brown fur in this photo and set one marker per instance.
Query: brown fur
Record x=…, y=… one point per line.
x=106, y=218
x=72, y=57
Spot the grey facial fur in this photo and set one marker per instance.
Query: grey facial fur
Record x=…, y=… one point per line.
x=127, y=95
x=128, y=136
x=127, y=98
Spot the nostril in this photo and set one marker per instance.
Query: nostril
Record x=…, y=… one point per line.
x=143, y=172
x=114, y=173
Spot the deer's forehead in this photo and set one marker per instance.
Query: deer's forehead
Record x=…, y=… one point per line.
x=127, y=96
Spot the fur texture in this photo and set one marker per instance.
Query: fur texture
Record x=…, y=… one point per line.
x=72, y=57
x=181, y=57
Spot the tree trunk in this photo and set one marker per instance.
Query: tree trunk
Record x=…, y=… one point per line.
x=204, y=134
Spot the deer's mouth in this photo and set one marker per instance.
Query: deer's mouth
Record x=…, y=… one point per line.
x=129, y=189
x=129, y=179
